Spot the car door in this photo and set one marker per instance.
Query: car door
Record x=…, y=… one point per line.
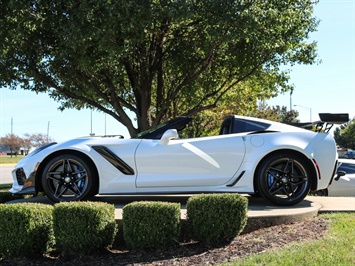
x=207, y=161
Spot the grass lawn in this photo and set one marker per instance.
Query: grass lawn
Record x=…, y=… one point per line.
x=336, y=248
x=7, y=159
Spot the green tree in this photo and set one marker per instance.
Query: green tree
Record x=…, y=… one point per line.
x=345, y=135
x=156, y=59
x=36, y=140
x=276, y=113
x=209, y=122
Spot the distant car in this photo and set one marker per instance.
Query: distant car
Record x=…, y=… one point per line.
x=350, y=155
x=345, y=186
x=256, y=156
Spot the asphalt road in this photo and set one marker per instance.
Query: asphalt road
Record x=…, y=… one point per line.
x=5, y=174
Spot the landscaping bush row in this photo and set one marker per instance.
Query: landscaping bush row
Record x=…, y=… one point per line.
x=31, y=229
x=6, y=196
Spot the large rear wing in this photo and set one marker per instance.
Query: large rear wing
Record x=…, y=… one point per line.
x=327, y=120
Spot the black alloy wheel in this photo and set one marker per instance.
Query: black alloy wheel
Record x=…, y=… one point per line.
x=284, y=179
x=68, y=178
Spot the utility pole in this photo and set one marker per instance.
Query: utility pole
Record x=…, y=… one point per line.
x=91, y=134
x=48, y=132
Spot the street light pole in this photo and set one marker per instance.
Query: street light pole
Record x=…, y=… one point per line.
x=91, y=133
x=291, y=99
x=308, y=108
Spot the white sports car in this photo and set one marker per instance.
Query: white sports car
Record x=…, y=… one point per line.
x=277, y=161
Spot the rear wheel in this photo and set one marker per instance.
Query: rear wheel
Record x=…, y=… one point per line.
x=68, y=178
x=283, y=179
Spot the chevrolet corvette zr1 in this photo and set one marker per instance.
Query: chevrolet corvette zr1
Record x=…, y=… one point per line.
x=280, y=162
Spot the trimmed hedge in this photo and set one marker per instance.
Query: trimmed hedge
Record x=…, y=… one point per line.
x=216, y=217
x=31, y=229
x=151, y=224
x=84, y=227
x=6, y=196
x=26, y=229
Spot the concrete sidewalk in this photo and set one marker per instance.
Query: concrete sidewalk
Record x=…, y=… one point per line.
x=261, y=214
x=334, y=204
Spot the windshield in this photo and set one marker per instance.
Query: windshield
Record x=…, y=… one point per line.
x=148, y=131
x=157, y=132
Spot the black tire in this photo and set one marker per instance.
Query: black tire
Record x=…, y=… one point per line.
x=283, y=179
x=68, y=178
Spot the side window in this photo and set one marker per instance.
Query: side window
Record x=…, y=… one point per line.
x=243, y=125
x=347, y=167
x=226, y=125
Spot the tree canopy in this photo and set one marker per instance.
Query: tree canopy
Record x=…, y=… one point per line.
x=345, y=135
x=14, y=143
x=154, y=59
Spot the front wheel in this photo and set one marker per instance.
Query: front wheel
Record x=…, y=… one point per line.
x=68, y=178
x=283, y=179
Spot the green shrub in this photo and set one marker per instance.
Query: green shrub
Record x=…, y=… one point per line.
x=5, y=186
x=6, y=196
x=216, y=217
x=151, y=224
x=26, y=229
x=83, y=227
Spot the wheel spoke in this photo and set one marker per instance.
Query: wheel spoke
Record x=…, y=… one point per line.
x=54, y=175
x=302, y=181
x=81, y=174
x=278, y=189
x=75, y=189
x=287, y=165
x=289, y=192
x=67, y=168
x=60, y=190
x=276, y=170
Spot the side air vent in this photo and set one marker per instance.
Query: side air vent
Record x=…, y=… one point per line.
x=114, y=159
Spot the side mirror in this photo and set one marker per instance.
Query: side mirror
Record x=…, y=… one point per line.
x=339, y=174
x=168, y=135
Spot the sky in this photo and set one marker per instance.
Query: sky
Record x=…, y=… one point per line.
x=328, y=87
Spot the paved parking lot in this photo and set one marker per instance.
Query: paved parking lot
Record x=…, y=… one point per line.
x=5, y=174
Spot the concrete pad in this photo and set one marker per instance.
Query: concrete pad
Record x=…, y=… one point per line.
x=334, y=204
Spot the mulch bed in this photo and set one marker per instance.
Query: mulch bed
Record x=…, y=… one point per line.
x=193, y=253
